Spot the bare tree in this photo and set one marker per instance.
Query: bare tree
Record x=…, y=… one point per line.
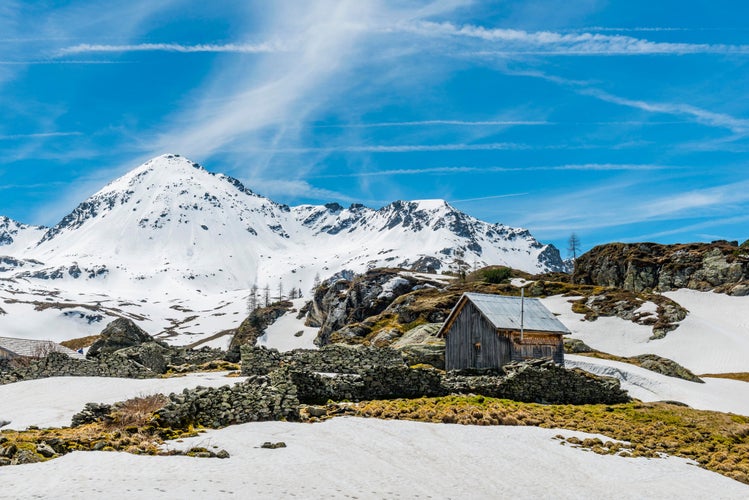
x=573, y=246
x=266, y=295
x=280, y=290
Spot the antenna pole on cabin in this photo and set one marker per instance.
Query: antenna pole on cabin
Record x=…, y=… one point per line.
x=522, y=312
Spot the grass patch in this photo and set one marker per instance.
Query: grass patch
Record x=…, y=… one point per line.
x=742, y=376
x=80, y=342
x=717, y=441
x=129, y=429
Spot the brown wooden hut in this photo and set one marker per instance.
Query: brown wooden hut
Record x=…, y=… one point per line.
x=487, y=331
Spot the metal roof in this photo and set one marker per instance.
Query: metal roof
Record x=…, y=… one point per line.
x=504, y=312
x=34, y=348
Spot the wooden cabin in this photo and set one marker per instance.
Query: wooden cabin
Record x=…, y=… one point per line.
x=488, y=331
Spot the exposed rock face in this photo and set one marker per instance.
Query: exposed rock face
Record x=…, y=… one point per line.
x=344, y=302
x=421, y=346
x=118, y=334
x=667, y=367
x=254, y=326
x=720, y=265
x=627, y=305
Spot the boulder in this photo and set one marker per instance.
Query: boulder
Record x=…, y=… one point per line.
x=152, y=355
x=119, y=334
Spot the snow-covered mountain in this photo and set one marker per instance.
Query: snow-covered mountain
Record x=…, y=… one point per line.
x=171, y=231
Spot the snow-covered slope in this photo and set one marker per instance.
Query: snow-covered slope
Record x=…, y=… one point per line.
x=713, y=338
x=15, y=236
x=715, y=394
x=176, y=248
x=370, y=459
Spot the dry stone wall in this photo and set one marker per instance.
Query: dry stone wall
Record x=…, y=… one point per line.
x=260, y=397
x=60, y=365
x=337, y=358
x=359, y=373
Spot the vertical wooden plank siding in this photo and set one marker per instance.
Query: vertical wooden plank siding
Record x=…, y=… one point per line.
x=472, y=342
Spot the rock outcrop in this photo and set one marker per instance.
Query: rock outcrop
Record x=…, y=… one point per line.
x=119, y=334
x=254, y=326
x=721, y=266
x=344, y=302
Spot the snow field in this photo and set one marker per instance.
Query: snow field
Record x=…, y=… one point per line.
x=370, y=458
x=730, y=396
x=52, y=402
x=713, y=338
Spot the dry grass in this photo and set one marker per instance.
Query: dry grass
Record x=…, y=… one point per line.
x=742, y=376
x=81, y=342
x=717, y=441
x=137, y=412
x=130, y=430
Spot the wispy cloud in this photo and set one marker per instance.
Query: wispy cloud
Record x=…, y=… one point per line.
x=37, y=62
x=704, y=116
x=236, y=48
x=697, y=114
x=511, y=41
x=497, y=169
x=613, y=205
x=296, y=188
x=422, y=123
x=712, y=223
x=41, y=135
x=484, y=198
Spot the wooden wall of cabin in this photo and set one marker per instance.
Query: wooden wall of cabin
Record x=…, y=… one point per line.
x=539, y=345
x=472, y=342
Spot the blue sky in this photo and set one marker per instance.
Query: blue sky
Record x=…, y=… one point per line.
x=619, y=121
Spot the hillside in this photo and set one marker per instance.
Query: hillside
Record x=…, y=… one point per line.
x=176, y=248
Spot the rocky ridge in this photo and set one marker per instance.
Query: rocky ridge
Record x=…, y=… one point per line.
x=721, y=266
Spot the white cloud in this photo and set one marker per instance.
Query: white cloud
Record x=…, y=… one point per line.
x=512, y=41
x=295, y=189
x=461, y=123
x=495, y=169
x=41, y=135
x=697, y=114
x=703, y=116
x=238, y=48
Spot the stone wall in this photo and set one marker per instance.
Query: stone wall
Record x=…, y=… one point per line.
x=60, y=365
x=260, y=397
x=378, y=383
x=339, y=372
x=336, y=358
x=540, y=381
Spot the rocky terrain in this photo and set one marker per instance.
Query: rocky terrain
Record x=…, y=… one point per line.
x=721, y=266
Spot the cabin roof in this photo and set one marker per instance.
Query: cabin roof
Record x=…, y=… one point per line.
x=32, y=348
x=503, y=312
